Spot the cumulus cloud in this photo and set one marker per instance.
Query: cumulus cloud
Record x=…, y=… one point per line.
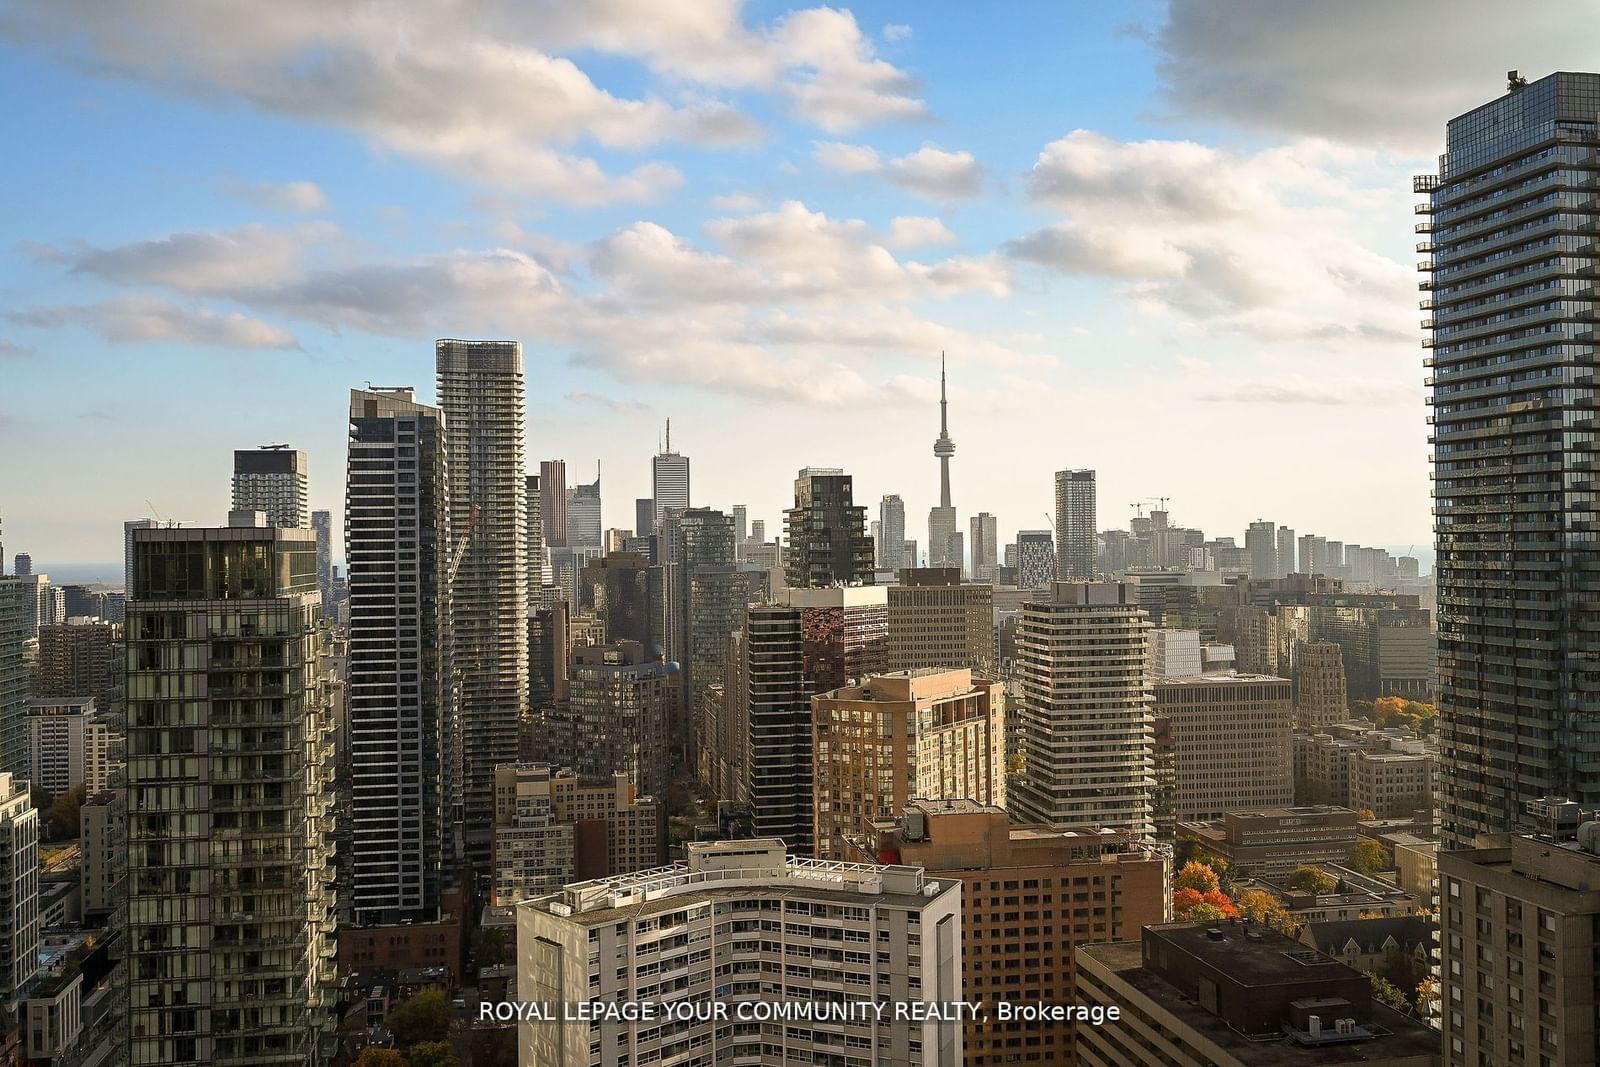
x=930, y=171
x=896, y=32
x=735, y=202
x=1370, y=72
x=304, y=196
x=479, y=88
x=911, y=231
x=145, y=319
x=1264, y=245
x=213, y=261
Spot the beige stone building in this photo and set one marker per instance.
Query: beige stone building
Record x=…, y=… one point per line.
x=1391, y=783
x=1518, y=938
x=1030, y=896
x=936, y=621
x=1222, y=744
x=1320, y=698
x=923, y=734
x=1276, y=841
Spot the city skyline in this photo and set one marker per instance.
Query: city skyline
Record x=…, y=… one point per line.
x=653, y=214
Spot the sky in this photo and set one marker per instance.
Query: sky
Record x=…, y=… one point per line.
x=1172, y=243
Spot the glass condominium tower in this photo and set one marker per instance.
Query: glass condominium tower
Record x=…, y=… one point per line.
x=1510, y=223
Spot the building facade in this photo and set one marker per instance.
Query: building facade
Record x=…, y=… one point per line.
x=937, y=621
x=19, y=887
x=827, y=532
x=1274, y=841
x=1075, y=525
x=16, y=610
x=553, y=501
x=1036, y=559
x=72, y=743
x=1320, y=698
x=621, y=707
x=1229, y=744
x=669, y=480
x=891, y=545
x=984, y=547
x=272, y=479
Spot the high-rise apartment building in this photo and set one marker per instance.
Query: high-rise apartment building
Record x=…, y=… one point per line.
x=1319, y=686
x=621, y=708
x=929, y=734
x=553, y=501
x=229, y=957
x=935, y=620
x=481, y=394
x=127, y=547
x=827, y=532
x=272, y=479
x=1509, y=221
x=538, y=555
x=19, y=886
x=1313, y=555
x=779, y=785
x=1261, y=542
x=1075, y=525
x=1174, y=654
x=891, y=542
x=1227, y=740
x=1079, y=887
x=863, y=930
x=669, y=478
x=1084, y=705
x=79, y=659
x=322, y=523
x=16, y=613
x=22, y=564
x=584, y=518
x=399, y=551
x=103, y=846
x=1036, y=559
x=984, y=546
x=1517, y=942
x=71, y=742
x=1284, y=562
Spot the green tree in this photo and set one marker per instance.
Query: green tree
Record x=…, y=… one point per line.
x=380, y=1057
x=1384, y=990
x=1312, y=880
x=1369, y=856
x=493, y=947
x=432, y=1054
x=493, y=1047
x=422, y=1018
x=64, y=814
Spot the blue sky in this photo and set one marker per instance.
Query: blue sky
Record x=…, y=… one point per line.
x=1170, y=245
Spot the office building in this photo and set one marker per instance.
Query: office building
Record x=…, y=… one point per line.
x=19, y=887
x=80, y=658
x=1238, y=995
x=584, y=519
x=1084, y=706
x=644, y=516
x=1284, y=559
x=481, y=394
x=16, y=613
x=937, y=621
x=717, y=600
x=1275, y=841
x=272, y=479
x=625, y=600
x=552, y=828
x=1508, y=225
x=103, y=845
x=1079, y=887
x=863, y=930
x=929, y=734
x=741, y=524
x=1075, y=525
x=1518, y=922
x=399, y=552
x=984, y=546
x=1036, y=559
x=669, y=479
x=1313, y=555
x=827, y=532
x=1319, y=689
x=553, y=501
x=621, y=708
x=322, y=523
x=1174, y=654
x=777, y=782
x=891, y=540
x=1261, y=542
x=1227, y=742
x=229, y=742
x=71, y=742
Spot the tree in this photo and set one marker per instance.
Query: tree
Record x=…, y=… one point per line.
x=64, y=814
x=1197, y=876
x=1312, y=880
x=1369, y=856
x=422, y=1018
x=1366, y=814
x=492, y=947
x=380, y=1057
x=432, y=1054
x=1260, y=906
x=1428, y=996
x=495, y=1047
x=1190, y=904
x=1384, y=990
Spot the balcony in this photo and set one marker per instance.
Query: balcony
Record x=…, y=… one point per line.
x=1424, y=183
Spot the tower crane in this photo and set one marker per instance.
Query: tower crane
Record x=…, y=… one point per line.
x=461, y=545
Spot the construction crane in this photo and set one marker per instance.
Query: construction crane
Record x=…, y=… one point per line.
x=461, y=545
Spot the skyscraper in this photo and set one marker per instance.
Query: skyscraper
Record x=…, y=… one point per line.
x=553, y=501
x=228, y=735
x=16, y=612
x=1313, y=555
x=741, y=524
x=1286, y=557
x=644, y=516
x=1036, y=559
x=538, y=555
x=1075, y=524
x=584, y=518
x=22, y=565
x=985, y=546
x=942, y=531
x=1510, y=285
x=127, y=547
x=669, y=478
x=778, y=789
x=481, y=393
x=621, y=707
x=19, y=886
x=397, y=494
x=891, y=546
x=322, y=523
x=1261, y=542
x=1084, y=705
x=936, y=620
x=272, y=479
x=828, y=540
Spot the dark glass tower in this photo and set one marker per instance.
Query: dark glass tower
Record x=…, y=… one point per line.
x=1511, y=226
x=828, y=539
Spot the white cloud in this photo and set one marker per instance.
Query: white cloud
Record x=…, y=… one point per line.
x=735, y=202
x=896, y=32
x=132, y=319
x=911, y=231
x=840, y=84
x=1370, y=72
x=214, y=261
x=304, y=197
x=930, y=171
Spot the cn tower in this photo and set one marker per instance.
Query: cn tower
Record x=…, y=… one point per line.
x=944, y=448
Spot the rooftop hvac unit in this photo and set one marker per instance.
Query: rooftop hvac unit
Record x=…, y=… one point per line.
x=1314, y=1025
x=1345, y=1026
